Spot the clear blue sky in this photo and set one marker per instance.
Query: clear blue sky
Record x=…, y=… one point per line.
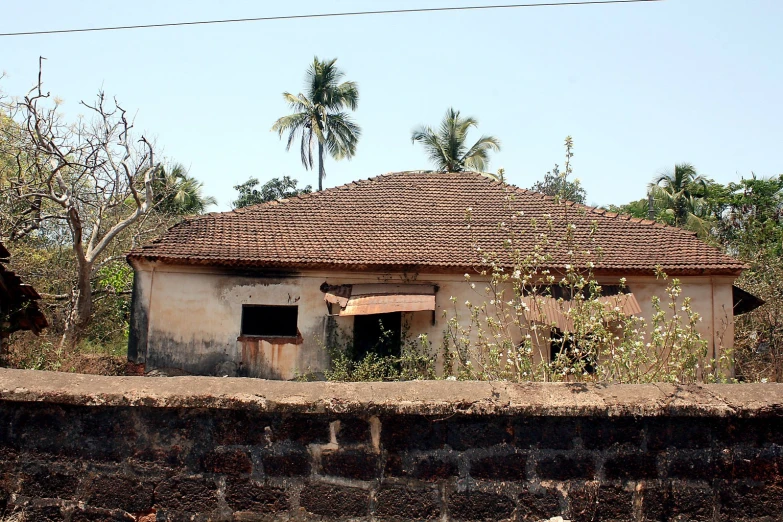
x=638, y=86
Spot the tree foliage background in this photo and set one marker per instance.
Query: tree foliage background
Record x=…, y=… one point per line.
x=77, y=195
x=744, y=219
x=272, y=190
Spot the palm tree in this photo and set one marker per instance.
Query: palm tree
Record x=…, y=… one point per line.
x=447, y=148
x=179, y=193
x=319, y=116
x=679, y=197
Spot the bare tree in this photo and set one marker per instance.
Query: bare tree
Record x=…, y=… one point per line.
x=90, y=176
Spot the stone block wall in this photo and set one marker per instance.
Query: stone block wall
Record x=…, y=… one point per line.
x=80, y=448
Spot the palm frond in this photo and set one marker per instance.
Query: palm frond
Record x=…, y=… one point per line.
x=177, y=171
x=306, y=147
x=477, y=157
x=453, y=133
x=318, y=118
x=665, y=180
x=663, y=197
x=297, y=102
x=342, y=135
x=421, y=133
x=321, y=81
x=680, y=194
x=447, y=148
x=346, y=95
x=432, y=146
x=697, y=224
x=182, y=194
x=685, y=171
x=289, y=123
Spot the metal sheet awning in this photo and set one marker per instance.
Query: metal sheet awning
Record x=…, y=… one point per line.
x=381, y=304
x=744, y=302
x=367, y=299
x=550, y=311
x=627, y=303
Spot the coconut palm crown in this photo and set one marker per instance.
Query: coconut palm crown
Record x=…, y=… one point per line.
x=179, y=193
x=447, y=148
x=319, y=118
x=679, y=196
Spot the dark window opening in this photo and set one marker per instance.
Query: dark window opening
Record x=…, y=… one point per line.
x=566, y=292
x=560, y=343
x=269, y=321
x=377, y=333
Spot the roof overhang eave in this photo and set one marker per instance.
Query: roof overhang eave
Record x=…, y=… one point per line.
x=436, y=267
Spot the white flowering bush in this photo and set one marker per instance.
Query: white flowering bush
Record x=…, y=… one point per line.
x=416, y=359
x=537, y=318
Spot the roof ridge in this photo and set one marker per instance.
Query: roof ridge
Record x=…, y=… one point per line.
x=597, y=210
x=482, y=176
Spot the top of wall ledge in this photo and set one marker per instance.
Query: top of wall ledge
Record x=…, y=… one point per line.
x=434, y=398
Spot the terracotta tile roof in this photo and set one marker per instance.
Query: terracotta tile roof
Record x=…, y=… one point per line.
x=418, y=220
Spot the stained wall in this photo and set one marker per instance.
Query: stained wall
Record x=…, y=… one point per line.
x=189, y=318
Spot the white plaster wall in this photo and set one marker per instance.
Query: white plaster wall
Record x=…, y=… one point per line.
x=195, y=314
x=195, y=318
x=711, y=298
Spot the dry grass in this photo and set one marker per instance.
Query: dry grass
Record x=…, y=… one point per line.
x=26, y=351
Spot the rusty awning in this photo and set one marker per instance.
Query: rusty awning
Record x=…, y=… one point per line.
x=547, y=310
x=553, y=312
x=626, y=303
x=380, y=298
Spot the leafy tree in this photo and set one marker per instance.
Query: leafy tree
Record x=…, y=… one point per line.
x=556, y=184
x=708, y=205
x=746, y=220
x=274, y=189
x=680, y=197
x=177, y=193
x=447, y=148
x=749, y=224
x=751, y=216
x=74, y=198
x=94, y=197
x=86, y=185
x=638, y=209
x=319, y=117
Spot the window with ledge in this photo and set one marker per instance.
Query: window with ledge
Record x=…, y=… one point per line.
x=269, y=321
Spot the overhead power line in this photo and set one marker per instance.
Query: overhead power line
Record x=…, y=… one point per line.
x=326, y=15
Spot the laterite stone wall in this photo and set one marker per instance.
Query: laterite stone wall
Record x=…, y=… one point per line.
x=84, y=448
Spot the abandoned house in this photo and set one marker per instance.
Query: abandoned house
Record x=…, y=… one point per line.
x=18, y=303
x=251, y=291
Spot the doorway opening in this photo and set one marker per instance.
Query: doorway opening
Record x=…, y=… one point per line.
x=377, y=333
